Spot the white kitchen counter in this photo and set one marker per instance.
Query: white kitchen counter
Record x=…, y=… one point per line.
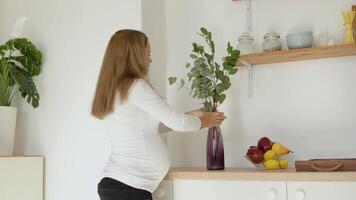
x=290, y=174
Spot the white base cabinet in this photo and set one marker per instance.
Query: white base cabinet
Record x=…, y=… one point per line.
x=164, y=191
x=21, y=178
x=228, y=190
x=302, y=190
x=254, y=190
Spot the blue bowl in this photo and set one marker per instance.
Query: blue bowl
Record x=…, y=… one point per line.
x=300, y=40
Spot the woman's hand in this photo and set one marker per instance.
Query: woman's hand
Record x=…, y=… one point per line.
x=211, y=119
x=208, y=119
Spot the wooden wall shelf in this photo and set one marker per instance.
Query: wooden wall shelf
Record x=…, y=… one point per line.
x=299, y=54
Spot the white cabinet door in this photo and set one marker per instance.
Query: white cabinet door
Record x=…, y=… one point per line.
x=321, y=190
x=21, y=178
x=228, y=190
x=164, y=191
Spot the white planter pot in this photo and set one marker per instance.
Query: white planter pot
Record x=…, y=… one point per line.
x=7, y=130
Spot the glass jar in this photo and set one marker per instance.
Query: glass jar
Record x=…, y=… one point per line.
x=246, y=45
x=272, y=41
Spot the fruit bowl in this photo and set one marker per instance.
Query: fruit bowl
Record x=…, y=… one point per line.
x=268, y=155
x=257, y=165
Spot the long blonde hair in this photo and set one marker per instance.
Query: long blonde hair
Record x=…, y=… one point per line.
x=123, y=63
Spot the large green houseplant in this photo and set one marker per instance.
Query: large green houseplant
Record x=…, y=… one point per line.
x=209, y=80
x=20, y=61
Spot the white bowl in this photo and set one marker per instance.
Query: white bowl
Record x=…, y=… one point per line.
x=300, y=40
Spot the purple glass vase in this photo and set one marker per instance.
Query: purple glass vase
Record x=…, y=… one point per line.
x=215, y=150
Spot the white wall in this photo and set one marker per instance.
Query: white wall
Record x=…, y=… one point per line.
x=309, y=106
x=154, y=26
x=72, y=35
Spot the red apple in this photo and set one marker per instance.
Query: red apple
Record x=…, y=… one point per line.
x=264, y=144
x=255, y=154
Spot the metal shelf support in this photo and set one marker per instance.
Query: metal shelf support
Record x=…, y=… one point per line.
x=245, y=63
x=250, y=78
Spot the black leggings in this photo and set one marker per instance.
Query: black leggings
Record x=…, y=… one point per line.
x=111, y=189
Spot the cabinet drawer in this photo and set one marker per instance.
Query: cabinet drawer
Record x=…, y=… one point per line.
x=299, y=190
x=228, y=190
x=164, y=191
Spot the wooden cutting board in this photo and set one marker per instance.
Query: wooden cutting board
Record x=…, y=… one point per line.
x=354, y=9
x=326, y=165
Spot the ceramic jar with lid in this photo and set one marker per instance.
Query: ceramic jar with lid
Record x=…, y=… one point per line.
x=246, y=45
x=272, y=41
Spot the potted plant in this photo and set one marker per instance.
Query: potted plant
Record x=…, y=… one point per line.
x=20, y=61
x=209, y=80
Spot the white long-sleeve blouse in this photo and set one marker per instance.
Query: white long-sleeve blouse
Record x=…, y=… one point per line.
x=139, y=156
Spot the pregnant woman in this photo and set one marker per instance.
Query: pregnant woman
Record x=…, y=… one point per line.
x=134, y=115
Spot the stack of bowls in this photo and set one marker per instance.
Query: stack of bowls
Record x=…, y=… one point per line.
x=300, y=40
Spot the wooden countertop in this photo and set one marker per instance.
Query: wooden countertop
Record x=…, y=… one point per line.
x=253, y=174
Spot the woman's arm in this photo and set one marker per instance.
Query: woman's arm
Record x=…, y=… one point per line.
x=164, y=129
x=144, y=97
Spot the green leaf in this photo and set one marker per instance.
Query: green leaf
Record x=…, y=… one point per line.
x=219, y=74
x=209, y=36
x=3, y=49
x=201, y=49
x=204, y=31
x=193, y=56
x=195, y=47
x=225, y=79
x=233, y=71
x=222, y=97
x=190, y=76
x=212, y=47
x=31, y=67
x=26, y=85
x=229, y=47
x=227, y=66
x=187, y=65
x=10, y=45
x=209, y=57
x=26, y=48
x=220, y=88
x=172, y=80
x=182, y=82
x=6, y=84
x=235, y=53
x=226, y=85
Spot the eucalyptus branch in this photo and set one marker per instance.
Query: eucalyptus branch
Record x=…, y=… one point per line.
x=209, y=80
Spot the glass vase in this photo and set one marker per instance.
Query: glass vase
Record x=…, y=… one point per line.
x=215, y=150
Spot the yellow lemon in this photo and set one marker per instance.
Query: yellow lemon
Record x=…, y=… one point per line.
x=270, y=154
x=271, y=164
x=283, y=164
x=280, y=149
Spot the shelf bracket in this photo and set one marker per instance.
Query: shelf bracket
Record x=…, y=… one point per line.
x=249, y=67
x=249, y=15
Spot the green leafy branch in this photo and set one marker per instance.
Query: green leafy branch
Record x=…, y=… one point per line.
x=209, y=79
